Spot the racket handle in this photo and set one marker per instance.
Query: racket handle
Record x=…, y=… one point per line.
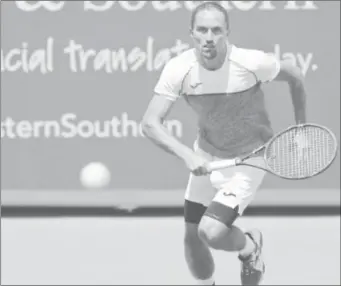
x=221, y=164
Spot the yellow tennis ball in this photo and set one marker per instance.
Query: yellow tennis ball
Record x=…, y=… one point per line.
x=95, y=175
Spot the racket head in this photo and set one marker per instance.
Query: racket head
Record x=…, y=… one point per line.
x=290, y=159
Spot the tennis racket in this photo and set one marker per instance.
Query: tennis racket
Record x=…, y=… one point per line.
x=299, y=152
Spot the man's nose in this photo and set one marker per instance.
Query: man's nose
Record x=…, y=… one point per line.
x=209, y=37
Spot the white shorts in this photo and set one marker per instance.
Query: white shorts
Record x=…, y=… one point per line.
x=233, y=187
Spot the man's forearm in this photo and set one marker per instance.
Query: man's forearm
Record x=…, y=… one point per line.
x=298, y=95
x=160, y=136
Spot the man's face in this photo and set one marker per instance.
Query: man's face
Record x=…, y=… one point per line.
x=210, y=33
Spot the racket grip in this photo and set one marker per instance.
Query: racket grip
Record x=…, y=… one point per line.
x=221, y=164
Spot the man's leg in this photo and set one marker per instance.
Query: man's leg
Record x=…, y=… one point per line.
x=236, y=189
x=197, y=253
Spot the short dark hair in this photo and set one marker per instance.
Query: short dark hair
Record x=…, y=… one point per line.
x=210, y=5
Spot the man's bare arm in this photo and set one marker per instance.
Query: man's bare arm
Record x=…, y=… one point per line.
x=293, y=76
x=154, y=129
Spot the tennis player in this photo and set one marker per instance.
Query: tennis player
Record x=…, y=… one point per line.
x=222, y=83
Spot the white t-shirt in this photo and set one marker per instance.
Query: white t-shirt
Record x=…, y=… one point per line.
x=229, y=102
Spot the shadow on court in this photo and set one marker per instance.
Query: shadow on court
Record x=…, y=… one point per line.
x=149, y=251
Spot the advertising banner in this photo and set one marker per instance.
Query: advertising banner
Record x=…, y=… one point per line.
x=77, y=76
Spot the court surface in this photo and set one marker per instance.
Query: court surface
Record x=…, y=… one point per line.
x=112, y=251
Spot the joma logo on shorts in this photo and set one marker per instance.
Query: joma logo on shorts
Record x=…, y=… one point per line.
x=229, y=195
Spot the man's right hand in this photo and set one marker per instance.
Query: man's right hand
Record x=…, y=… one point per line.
x=197, y=164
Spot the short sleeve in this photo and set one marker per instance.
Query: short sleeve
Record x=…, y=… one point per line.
x=267, y=68
x=170, y=81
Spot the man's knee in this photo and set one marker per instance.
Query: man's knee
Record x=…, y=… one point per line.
x=191, y=231
x=192, y=239
x=212, y=232
x=209, y=231
x=216, y=224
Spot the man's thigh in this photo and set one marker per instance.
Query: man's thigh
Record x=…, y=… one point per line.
x=199, y=194
x=235, y=187
x=223, y=194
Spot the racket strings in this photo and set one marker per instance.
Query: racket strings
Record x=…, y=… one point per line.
x=301, y=152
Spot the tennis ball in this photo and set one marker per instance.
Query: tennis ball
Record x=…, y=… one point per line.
x=95, y=175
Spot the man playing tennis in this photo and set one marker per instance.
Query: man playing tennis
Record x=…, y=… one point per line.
x=222, y=83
